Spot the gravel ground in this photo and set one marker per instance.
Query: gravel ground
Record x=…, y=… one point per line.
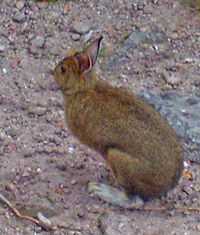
x=151, y=47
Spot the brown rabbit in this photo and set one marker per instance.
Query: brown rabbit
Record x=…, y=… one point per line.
x=137, y=143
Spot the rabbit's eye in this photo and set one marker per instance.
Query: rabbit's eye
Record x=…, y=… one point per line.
x=62, y=68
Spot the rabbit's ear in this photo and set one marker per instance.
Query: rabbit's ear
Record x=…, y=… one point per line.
x=93, y=50
x=88, y=57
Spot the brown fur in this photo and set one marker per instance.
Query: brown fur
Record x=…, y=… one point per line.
x=138, y=144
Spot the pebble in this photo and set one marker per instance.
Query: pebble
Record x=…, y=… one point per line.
x=88, y=36
x=81, y=27
x=12, y=131
x=75, y=36
x=73, y=182
x=197, y=188
x=10, y=187
x=61, y=167
x=155, y=1
x=37, y=110
x=2, y=48
x=171, y=79
x=71, y=149
x=4, y=70
x=80, y=213
x=66, y=9
x=42, y=4
x=137, y=203
x=140, y=6
x=198, y=227
x=189, y=60
x=20, y=4
x=19, y=17
x=186, y=164
x=27, y=152
x=192, y=101
x=148, y=9
x=38, y=42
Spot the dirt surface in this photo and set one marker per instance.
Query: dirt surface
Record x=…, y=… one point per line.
x=43, y=168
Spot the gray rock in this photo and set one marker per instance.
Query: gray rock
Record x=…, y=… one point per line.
x=135, y=40
x=182, y=113
x=81, y=27
x=137, y=37
x=19, y=17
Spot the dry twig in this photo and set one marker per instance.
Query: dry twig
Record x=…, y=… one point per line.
x=41, y=220
x=43, y=223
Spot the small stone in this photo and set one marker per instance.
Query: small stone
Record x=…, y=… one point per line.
x=12, y=131
x=66, y=8
x=134, y=6
x=19, y=17
x=192, y=101
x=33, y=49
x=197, y=188
x=189, y=60
x=20, y=4
x=140, y=6
x=2, y=48
x=75, y=36
x=81, y=27
x=38, y=42
x=187, y=189
x=27, y=153
x=80, y=213
x=71, y=149
x=37, y=110
x=42, y=4
x=88, y=36
x=148, y=9
x=198, y=227
x=171, y=78
x=73, y=182
x=61, y=167
x=38, y=170
x=155, y=1
x=4, y=70
x=137, y=203
x=10, y=187
x=186, y=164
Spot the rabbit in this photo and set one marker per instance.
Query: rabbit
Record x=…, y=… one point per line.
x=139, y=146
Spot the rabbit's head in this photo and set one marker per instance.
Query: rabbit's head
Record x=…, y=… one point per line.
x=73, y=72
